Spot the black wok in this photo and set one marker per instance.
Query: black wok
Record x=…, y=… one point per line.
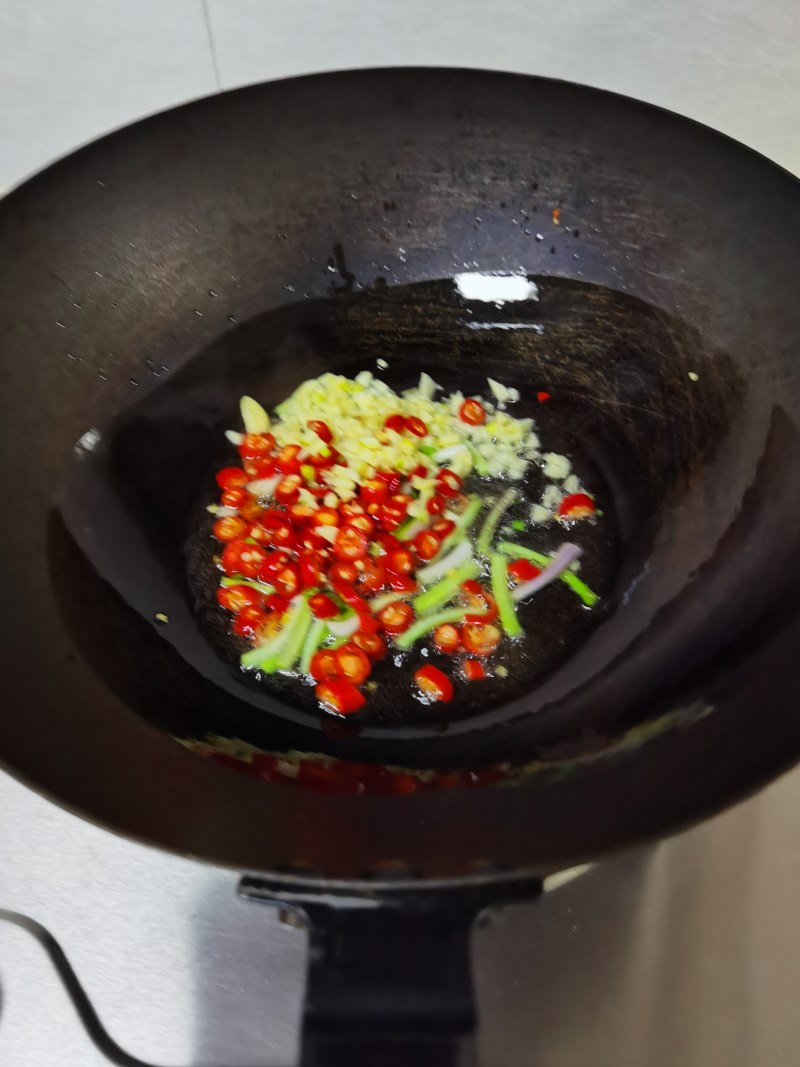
x=268, y=234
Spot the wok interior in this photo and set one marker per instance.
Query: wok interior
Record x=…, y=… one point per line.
x=639, y=399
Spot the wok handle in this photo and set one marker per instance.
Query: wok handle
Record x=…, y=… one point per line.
x=389, y=976
x=389, y=986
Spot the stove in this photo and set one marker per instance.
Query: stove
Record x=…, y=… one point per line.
x=687, y=952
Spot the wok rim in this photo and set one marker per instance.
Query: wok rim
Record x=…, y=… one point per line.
x=735, y=783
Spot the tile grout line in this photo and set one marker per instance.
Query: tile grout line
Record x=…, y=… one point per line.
x=211, y=45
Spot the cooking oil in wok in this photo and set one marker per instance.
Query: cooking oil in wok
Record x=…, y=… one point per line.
x=135, y=506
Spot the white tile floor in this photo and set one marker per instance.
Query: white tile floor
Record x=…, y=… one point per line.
x=71, y=71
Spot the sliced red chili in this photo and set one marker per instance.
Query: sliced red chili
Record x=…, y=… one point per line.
x=367, y=623
x=449, y=482
x=256, y=445
x=401, y=583
x=390, y=518
x=350, y=544
x=326, y=517
x=349, y=595
x=436, y=504
x=326, y=458
x=480, y=638
x=399, y=561
x=443, y=527
x=251, y=509
x=322, y=607
x=522, y=570
x=353, y=664
x=396, y=617
x=276, y=603
x=373, y=491
x=287, y=580
x=488, y=602
x=231, y=478
x=229, y=528
x=363, y=523
x=370, y=643
x=322, y=430
x=239, y=557
x=392, y=479
x=284, y=534
x=343, y=571
x=288, y=489
x=427, y=544
x=260, y=468
x=419, y=471
x=474, y=670
x=259, y=532
x=312, y=569
x=323, y=665
x=434, y=683
x=234, y=498
x=340, y=696
x=270, y=626
x=477, y=597
x=373, y=577
x=272, y=564
x=351, y=508
x=248, y=622
x=287, y=460
x=306, y=538
x=273, y=518
x=388, y=541
x=416, y=426
x=447, y=638
x=237, y=597
x=576, y=506
x=472, y=412
x=302, y=514
x=542, y=396
x=396, y=423
x=394, y=511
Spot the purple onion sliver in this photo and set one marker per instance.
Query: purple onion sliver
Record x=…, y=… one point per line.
x=566, y=555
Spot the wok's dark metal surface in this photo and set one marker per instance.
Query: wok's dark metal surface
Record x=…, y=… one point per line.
x=133, y=255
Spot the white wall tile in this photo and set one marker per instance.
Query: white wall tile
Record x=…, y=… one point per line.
x=733, y=64
x=71, y=71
